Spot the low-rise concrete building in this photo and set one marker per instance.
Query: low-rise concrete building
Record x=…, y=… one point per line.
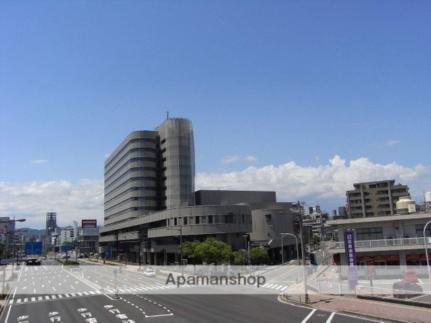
x=383, y=240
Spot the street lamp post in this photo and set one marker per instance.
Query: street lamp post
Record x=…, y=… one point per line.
x=296, y=242
x=247, y=241
x=426, y=249
x=301, y=237
x=180, y=230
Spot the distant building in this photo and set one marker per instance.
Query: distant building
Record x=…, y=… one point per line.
x=314, y=222
x=7, y=228
x=342, y=212
x=371, y=199
x=428, y=201
x=51, y=223
x=88, y=237
x=66, y=235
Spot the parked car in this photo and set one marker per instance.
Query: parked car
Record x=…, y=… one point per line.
x=407, y=286
x=149, y=272
x=33, y=262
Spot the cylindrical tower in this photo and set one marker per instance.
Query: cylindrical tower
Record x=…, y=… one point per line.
x=178, y=161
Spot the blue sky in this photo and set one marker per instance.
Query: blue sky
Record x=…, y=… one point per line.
x=278, y=80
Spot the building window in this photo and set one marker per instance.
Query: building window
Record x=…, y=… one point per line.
x=210, y=219
x=197, y=220
x=185, y=220
x=420, y=230
x=369, y=233
x=228, y=218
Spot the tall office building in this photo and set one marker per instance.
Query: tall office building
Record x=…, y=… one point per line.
x=51, y=223
x=375, y=198
x=132, y=178
x=150, y=171
x=149, y=197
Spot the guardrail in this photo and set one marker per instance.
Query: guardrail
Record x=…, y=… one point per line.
x=398, y=242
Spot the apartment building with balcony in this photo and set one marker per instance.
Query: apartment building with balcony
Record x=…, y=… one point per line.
x=383, y=240
x=372, y=199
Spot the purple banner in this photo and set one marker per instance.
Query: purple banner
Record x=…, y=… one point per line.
x=349, y=245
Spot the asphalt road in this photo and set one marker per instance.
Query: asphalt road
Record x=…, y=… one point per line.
x=51, y=294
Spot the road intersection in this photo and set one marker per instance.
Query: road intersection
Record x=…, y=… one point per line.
x=51, y=293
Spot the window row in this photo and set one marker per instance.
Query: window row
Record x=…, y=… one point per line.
x=209, y=219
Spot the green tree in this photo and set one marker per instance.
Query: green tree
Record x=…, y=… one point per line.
x=213, y=251
x=259, y=256
x=239, y=257
x=189, y=251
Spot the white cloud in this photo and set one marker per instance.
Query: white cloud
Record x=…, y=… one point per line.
x=39, y=161
x=330, y=181
x=250, y=159
x=391, y=143
x=71, y=201
x=327, y=182
x=231, y=159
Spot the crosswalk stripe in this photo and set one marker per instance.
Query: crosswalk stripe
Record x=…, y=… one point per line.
x=53, y=297
x=46, y=297
x=40, y=298
x=11, y=301
x=25, y=300
x=60, y=296
x=73, y=294
x=92, y=293
x=86, y=293
x=18, y=300
x=33, y=299
x=67, y=295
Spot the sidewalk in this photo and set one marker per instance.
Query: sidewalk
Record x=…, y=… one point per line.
x=376, y=309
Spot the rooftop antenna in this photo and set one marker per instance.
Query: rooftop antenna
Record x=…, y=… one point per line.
x=167, y=115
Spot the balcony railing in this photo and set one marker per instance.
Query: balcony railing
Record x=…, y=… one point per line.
x=398, y=242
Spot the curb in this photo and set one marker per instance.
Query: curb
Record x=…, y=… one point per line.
x=285, y=300
x=395, y=301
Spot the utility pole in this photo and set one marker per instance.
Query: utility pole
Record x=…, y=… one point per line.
x=301, y=236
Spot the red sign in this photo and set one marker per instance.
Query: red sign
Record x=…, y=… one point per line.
x=89, y=223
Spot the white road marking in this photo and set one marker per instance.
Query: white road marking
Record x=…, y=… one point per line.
x=308, y=316
x=158, y=315
x=329, y=320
